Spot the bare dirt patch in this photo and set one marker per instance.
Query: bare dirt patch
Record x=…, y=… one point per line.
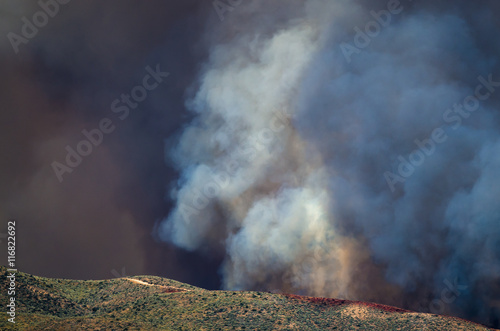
x=164, y=289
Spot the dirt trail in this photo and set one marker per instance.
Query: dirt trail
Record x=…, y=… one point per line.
x=168, y=289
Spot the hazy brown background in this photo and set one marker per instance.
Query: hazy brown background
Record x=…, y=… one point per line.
x=101, y=217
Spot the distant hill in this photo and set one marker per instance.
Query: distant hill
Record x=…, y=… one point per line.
x=154, y=303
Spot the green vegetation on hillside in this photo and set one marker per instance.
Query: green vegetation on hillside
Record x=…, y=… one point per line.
x=121, y=304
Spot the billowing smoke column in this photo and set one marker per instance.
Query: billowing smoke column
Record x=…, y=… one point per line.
x=343, y=153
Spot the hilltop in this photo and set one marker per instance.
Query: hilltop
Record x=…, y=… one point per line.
x=155, y=303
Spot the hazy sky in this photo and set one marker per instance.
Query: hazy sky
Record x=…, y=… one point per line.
x=64, y=80
x=323, y=147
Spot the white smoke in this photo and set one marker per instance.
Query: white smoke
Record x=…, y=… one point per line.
x=247, y=164
x=284, y=165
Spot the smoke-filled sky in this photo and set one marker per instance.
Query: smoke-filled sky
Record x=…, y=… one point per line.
x=99, y=221
x=348, y=149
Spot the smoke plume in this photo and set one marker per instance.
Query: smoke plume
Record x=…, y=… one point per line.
x=362, y=165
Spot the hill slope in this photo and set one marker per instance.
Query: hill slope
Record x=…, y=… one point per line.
x=154, y=303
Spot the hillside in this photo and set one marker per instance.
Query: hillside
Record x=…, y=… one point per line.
x=154, y=303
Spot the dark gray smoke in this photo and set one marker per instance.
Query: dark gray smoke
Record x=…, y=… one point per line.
x=349, y=149
x=98, y=221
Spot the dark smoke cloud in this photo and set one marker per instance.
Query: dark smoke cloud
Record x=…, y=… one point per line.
x=63, y=81
x=285, y=165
